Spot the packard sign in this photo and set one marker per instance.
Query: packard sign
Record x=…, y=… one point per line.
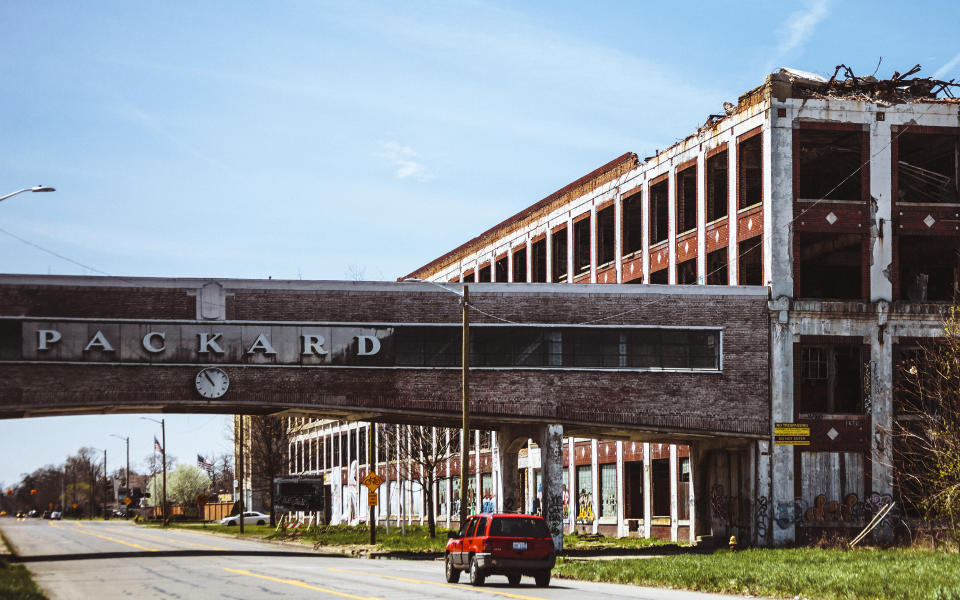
x=190, y=343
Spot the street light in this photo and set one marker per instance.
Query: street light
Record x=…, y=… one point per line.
x=163, y=460
x=36, y=188
x=465, y=378
x=127, y=440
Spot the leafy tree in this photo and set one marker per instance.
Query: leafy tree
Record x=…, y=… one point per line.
x=185, y=483
x=927, y=430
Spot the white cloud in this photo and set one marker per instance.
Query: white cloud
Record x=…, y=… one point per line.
x=947, y=68
x=402, y=158
x=801, y=24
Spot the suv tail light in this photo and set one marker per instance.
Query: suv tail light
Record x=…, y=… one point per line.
x=488, y=546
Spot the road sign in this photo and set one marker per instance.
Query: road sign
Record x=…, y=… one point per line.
x=791, y=434
x=127, y=500
x=372, y=481
x=372, y=499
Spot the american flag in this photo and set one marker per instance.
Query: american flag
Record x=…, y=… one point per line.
x=205, y=464
x=156, y=445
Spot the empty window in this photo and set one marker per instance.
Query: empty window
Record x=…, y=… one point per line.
x=659, y=212
x=687, y=199
x=749, y=172
x=559, y=250
x=929, y=268
x=750, y=261
x=718, y=184
x=687, y=272
x=538, y=258
x=831, y=378
x=632, y=224
x=468, y=277
x=828, y=266
x=605, y=235
x=717, y=267
x=501, y=269
x=520, y=265
x=484, y=273
x=828, y=165
x=581, y=247
x=661, y=277
x=928, y=168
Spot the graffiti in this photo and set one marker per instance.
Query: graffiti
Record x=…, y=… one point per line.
x=789, y=513
x=875, y=502
x=733, y=511
x=867, y=387
x=584, y=507
x=719, y=502
x=761, y=518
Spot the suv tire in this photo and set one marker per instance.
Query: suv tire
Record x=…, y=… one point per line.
x=452, y=573
x=476, y=577
x=513, y=578
x=542, y=578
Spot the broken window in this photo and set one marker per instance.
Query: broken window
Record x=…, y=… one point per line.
x=929, y=268
x=605, y=235
x=750, y=261
x=831, y=378
x=659, y=213
x=749, y=172
x=538, y=256
x=687, y=272
x=828, y=164
x=927, y=169
x=632, y=216
x=718, y=184
x=829, y=266
x=717, y=267
x=686, y=185
x=483, y=275
x=501, y=270
x=581, y=246
x=468, y=277
x=520, y=265
x=660, y=276
x=558, y=242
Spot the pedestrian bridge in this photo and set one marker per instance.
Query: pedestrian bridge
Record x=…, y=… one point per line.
x=636, y=361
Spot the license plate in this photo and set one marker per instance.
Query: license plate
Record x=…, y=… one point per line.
x=519, y=545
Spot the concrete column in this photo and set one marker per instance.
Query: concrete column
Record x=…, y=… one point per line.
x=550, y=256
x=674, y=485
x=645, y=227
x=778, y=211
x=593, y=244
x=572, y=484
x=449, y=481
x=529, y=257
x=701, y=219
x=618, y=234
x=764, y=513
x=781, y=398
x=621, y=496
x=478, y=479
x=551, y=473
x=511, y=439
x=672, y=225
x=732, y=202
x=881, y=409
x=496, y=472
x=647, y=490
x=531, y=491
x=595, y=484
x=692, y=496
x=570, y=249
x=881, y=213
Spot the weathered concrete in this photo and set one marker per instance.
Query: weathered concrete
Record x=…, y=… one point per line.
x=551, y=472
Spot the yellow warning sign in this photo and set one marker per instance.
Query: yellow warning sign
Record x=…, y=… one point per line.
x=372, y=499
x=372, y=481
x=791, y=434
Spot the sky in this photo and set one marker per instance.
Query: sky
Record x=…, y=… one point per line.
x=312, y=140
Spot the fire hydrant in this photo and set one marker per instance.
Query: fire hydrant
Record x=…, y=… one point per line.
x=733, y=542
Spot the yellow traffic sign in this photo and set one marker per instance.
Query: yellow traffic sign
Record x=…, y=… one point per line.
x=372, y=499
x=372, y=481
x=127, y=500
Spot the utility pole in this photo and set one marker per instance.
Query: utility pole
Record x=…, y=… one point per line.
x=163, y=457
x=240, y=474
x=465, y=449
x=371, y=468
x=105, y=476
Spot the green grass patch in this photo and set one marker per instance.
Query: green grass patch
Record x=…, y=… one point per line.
x=16, y=584
x=416, y=539
x=255, y=531
x=575, y=541
x=804, y=572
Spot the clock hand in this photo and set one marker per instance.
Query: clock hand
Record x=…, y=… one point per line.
x=207, y=375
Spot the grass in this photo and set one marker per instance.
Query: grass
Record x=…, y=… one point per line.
x=417, y=538
x=256, y=531
x=575, y=541
x=803, y=572
x=15, y=581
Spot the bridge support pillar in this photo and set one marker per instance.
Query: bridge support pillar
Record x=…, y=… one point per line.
x=511, y=439
x=551, y=472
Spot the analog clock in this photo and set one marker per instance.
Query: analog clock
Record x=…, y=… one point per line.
x=212, y=382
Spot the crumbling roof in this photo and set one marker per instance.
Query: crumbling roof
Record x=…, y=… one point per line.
x=845, y=84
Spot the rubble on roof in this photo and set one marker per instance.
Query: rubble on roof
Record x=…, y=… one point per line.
x=845, y=84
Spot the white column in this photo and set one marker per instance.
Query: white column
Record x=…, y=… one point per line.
x=595, y=483
x=570, y=273
x=881, y=236
x=618, y=234
x=647, y=485
x=495, y=471
x=593, y=244
x=672, y=225
x=449, y=480
x=529, y=256
x=733, y=263
x=621, y=496
x=478, y=480
x=674, y=506
x=701, y=220
x=572, y=484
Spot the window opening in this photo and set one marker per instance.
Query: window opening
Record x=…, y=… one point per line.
x=661, y=277
x=468, y=278
x=750, y=261
x=687, y=272
x=501, y=269
x=484, y=274
x=929, y=268
x=584, y=494
x=829, y=266
x=559, y=243
x=927, y=169
x=581, y=246
x=718, y=184
x=717, y=267
x=538, y=257
x=632, y=216
x=520, y=265
x=683, y=489
x=831, y=379
x=825, y=161
x=661, y=486
x=608, y=490
x=750, y=172
x=687, y=199
x=605, y=236
x=659, y=212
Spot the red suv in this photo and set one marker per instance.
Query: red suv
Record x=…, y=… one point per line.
x=501, y=544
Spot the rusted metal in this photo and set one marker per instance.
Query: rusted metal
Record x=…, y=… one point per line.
x=899, y=88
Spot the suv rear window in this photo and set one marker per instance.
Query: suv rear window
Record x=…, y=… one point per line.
x=519, y=527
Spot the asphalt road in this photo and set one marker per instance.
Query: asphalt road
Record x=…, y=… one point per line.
x=117, y=559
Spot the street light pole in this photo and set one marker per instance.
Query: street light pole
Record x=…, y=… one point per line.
x=36, y=188
x=465, y=451
x=127, y=476
x=163, y=460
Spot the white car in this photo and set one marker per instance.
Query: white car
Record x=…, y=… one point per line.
x=249, y=518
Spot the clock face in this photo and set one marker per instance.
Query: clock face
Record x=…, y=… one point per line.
x=212, y=382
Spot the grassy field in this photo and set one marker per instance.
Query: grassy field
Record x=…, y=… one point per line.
x=803, y=572
x=15, y=583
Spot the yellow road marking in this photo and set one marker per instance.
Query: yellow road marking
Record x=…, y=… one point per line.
x=438, y=584
x=104, y=537
x=297, y=583
x=176, y=541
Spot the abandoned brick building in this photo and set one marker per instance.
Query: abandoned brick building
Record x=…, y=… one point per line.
x=839, y=196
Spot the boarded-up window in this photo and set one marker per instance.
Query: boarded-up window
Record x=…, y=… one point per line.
x=833, y=475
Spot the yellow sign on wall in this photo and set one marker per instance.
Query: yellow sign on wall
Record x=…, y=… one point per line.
x=791, y=434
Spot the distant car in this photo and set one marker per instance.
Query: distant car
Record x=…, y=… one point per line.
x=249, y=518
x=56, y=515
x=46, y=514
x=501, y=544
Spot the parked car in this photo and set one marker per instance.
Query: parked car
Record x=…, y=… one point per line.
x=56, y=515
x=501, y=544
x=249, y=518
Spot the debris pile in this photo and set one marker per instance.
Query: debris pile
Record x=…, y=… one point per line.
x=844, y=83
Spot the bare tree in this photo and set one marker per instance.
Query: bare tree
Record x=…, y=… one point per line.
x=269, y=447
x=927, y=430
x=419, y=452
